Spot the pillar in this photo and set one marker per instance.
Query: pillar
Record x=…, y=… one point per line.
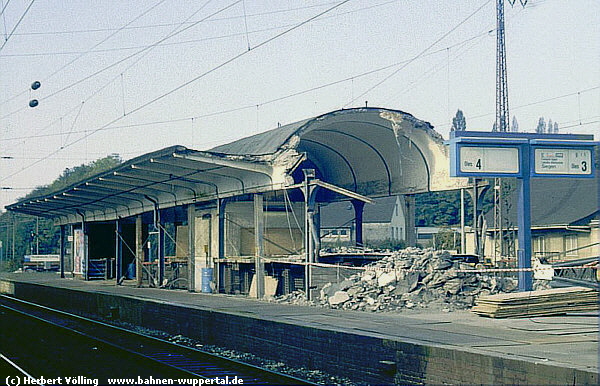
x=139, y=250
x=62, y=251
x=524, y=224
x=191, y=247
x=463, y=239
x=118, y=252
x=317, y=231
x=259, y=223
x=409, y=220
x=160, y=249
x=358, y=221
x=221, y=204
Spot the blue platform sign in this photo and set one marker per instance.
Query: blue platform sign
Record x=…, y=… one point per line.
x=521, y=155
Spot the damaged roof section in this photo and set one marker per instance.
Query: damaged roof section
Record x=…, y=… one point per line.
x=370, y=151
x=169, y=177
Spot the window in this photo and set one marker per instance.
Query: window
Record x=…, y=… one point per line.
x=539, y=244
x=343, y=232
x=571, y=245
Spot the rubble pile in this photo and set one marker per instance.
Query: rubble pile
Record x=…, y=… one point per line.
x=413, y=278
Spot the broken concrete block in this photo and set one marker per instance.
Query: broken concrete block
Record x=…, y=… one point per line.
x=338, y=298
x=386, y=278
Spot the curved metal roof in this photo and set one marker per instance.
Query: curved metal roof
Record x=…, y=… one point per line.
x=371, y=151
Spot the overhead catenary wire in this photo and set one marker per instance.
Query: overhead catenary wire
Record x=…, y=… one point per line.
x=7, y=38
x=418, y=55
x=189, y=41
x=83, y=53
x=280, y=98
x=92, y=50
x=181, y=86
x=4, y=18
x=142, y=51
x=162, y=25
x=267, y=102
x=174, y=31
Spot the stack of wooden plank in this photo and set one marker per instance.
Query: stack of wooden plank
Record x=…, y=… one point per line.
x=535, y=303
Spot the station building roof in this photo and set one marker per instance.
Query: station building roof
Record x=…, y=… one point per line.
x=371, y=151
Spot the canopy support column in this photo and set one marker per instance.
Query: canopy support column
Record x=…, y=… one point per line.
x=191, y=215
x=118, y=252
x=139, y=250
x=259, y=223
x=358, y=221
x=409, y=220
x=62, y=251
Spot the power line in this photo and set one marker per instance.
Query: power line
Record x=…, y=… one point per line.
x=156, y=44
x=419, y=55
x=16, y=25
x=4, y=7
x=83, y=53
x=545, y=100
x=144, y=50
x=162, y=25
x=4, y=18
x=154, y=100
x=241, y=108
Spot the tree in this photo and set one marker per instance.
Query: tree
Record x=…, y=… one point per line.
x=459, y=123
x=549, y=126
x=541, y=127
x=494, y=127
x=46, y=233
x=555, y=127
x=515, y=125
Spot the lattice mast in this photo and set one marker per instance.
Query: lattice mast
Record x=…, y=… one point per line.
x=504, y=240
x=501, y=78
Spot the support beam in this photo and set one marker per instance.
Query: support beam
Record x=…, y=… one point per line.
x=317, y=231
x=259, y=223
x=221, y=205
x=524, y=223
x=309, y=189
x=409, y=219
x=358, y=220
x=118, y=252
x=191, y=247
x=160, y=250
x=463, y=239
x=139, y=250
x=62, y=251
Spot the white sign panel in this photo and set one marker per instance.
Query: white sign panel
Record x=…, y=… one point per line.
x=563, y=161
x=489, y=159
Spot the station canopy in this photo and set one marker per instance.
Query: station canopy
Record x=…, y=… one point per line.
x=371, y=151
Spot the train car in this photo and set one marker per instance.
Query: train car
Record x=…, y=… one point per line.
x=41, y=263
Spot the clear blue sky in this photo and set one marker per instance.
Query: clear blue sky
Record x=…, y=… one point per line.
x=105, y=61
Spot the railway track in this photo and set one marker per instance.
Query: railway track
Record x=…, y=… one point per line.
x=52, y=343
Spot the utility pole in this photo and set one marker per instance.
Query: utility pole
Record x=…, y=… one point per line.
x=501, y=124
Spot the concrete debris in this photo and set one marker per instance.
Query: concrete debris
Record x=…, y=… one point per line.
x=408, y=279
x=338, y=298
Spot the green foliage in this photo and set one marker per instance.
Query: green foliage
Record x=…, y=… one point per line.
x=447, y=239
x=440, y=208
x=459, y=123
x=443, y=208
x=46, y=239
x=75, y=174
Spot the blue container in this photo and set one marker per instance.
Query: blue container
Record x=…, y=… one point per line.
x=207, y=275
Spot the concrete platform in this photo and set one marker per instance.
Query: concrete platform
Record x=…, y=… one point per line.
x=421, y=346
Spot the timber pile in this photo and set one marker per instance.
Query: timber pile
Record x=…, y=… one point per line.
x=536, y=303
